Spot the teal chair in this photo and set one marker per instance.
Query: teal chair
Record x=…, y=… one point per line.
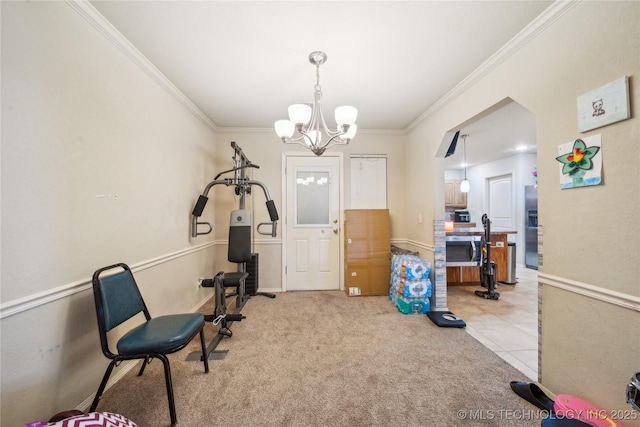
x=118, y=299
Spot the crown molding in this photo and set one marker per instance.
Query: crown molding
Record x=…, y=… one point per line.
x=104, y=27
x=528, y=33
x=220, y=130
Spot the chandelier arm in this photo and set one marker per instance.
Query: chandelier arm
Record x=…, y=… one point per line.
x=318, y=120
x=334, y=134
x=299, y=141
x=314, y=124
x=331, y=134
x=306, y=130
x=336, y=140
x=317, y=111
x=293, y=140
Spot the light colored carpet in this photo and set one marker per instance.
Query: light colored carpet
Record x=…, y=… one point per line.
x=325, y=359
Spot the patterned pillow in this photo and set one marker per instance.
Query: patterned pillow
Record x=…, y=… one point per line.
x=92, y=419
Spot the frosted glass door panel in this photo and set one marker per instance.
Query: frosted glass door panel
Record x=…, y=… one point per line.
x=312, y=198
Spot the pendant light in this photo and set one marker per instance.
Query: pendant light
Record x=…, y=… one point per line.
x=464, y=185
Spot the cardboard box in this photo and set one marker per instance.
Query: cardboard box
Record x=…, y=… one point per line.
x=368, y=277
x=367, y=233
x=367, y=252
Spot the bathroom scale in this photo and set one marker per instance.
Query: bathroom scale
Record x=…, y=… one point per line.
x=446, y=319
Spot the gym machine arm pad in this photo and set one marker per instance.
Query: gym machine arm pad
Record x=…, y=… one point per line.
x=273, y=212
x=199, y=207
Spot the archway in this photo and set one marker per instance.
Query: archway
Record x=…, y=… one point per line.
x=501, y=141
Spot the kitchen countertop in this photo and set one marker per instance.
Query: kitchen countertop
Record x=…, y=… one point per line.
x=464, y=225
x=477, y=232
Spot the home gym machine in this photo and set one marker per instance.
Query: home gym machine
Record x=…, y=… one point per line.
x=487, y=265
x=239, y=249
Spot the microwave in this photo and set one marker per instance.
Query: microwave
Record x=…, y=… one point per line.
x=463, y=251
x=461, y=216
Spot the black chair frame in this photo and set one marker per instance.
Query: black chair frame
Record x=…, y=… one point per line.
x=116, y=358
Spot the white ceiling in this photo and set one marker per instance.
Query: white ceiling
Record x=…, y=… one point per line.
x=508, y=131
x=243, y=62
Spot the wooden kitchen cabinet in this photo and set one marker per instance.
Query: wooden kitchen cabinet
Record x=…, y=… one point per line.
x=471, y=275
x=499, y=249
x=453, y=197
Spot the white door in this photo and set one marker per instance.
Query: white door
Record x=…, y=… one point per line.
x=312, y=248
x=501, y=203
x=368, y=182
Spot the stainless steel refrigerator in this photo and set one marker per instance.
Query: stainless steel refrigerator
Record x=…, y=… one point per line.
x=531, y=226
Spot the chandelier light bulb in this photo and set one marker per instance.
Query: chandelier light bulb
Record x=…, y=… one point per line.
x=350, y=133
x=284, y=128
x=313, y=137
x=300, y=113
x=346, y=115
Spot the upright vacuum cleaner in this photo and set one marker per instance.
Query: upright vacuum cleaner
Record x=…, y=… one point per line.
x=487, y=265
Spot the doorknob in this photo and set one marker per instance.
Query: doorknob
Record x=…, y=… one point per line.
x=335, y=231
x=335, y=221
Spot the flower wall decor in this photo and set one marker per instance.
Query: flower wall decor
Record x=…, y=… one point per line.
x=580, y=162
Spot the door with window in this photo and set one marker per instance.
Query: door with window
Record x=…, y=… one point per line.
x=312, y=241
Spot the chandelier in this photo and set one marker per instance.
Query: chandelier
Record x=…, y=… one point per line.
x=307, y=120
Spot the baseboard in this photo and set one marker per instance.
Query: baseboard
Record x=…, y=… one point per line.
x=270, y=290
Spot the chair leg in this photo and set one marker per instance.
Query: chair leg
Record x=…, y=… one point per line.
x=167, y=378
x=103, y=384
x=144, y=365
x=205, y=356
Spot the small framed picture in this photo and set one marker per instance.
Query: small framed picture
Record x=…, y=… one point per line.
x=580, y=162
x=605, y=105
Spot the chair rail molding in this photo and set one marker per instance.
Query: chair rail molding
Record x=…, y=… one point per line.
x=29, y=302
x=620, y=299
x=415, y=243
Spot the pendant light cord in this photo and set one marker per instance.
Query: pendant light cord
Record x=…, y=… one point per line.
x=465, y=156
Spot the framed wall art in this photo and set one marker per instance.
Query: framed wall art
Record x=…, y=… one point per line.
x=580, y=162
x=605, y=105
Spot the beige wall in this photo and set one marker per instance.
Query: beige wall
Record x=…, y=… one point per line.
x=100, y=165
x=102, y=162
x=82, y=123
x=590, y=275
x=265, y=149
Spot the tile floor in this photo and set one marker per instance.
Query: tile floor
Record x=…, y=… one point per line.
x=509, y=325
